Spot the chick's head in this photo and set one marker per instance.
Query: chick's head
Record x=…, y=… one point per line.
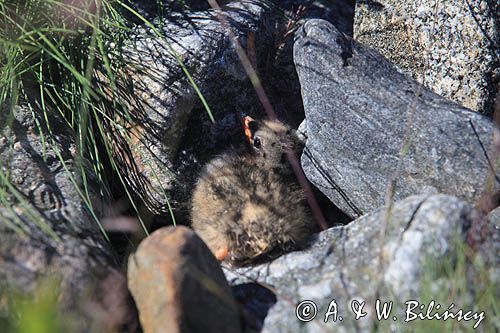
x=272, y=140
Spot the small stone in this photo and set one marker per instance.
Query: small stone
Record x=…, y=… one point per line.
x=178, y=285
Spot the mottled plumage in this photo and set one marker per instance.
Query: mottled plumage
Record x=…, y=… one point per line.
x=246, y=206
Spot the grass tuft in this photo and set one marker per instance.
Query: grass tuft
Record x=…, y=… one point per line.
x=64, y=59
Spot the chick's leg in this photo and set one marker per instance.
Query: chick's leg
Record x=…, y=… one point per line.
x=221, y=253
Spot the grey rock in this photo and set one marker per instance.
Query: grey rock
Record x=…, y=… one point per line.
x=494, y=217
x=153, y=9
x=489, y=247
x=373, y=131
x=380, y=255
x=451, y=47
x=339, y=12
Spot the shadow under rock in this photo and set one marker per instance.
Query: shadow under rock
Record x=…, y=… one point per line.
x=255, y=301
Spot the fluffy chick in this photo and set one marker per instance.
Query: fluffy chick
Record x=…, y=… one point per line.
x=248, y=206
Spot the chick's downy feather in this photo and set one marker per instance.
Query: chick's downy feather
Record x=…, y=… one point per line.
x=251, y=204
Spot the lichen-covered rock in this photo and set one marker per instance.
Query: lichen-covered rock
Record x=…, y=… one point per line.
x=451, y=47
x=373, y=131
x=178, y=285
x=385, y=255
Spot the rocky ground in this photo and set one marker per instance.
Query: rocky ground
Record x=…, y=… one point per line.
x=383, y=93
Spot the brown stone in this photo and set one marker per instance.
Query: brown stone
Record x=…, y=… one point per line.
x=178, y=285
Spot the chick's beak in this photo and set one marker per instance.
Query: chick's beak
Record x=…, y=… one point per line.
x=246, y=125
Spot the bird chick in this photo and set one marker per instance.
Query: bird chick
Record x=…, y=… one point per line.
x=248, y=206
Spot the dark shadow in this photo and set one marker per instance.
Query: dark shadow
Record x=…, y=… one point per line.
x=333, y=215
x=255, y=302
x=339, y=12
x=372, y=5
x=333, y=184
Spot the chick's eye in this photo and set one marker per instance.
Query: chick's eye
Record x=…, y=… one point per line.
x=256, y=143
